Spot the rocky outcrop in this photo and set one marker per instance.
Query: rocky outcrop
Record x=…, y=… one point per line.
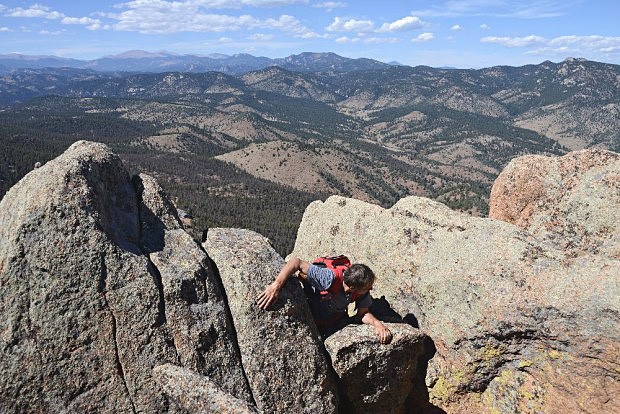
x=570, y=201
x=518, y=325
x=108, y=305
x=375, y=378
x=99, y=284
x=196, y=393
x=280, y=348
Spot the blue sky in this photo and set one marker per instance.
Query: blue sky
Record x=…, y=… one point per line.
x=459, y=33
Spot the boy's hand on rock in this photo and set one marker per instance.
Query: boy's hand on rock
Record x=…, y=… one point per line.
x=384, y=334
x=269, y=296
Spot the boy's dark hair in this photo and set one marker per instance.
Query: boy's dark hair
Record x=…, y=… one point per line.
x=358, y=276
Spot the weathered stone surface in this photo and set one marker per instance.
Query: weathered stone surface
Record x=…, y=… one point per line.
x=499, y=304
x=570, y=201
x=280, y=348
x=196, y=314
x=82, y=308
x=375, y=378
x=198, y=394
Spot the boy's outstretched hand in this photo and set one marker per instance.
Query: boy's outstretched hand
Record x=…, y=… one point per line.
x=269, y=296
x=384, y=334
x=272, y=291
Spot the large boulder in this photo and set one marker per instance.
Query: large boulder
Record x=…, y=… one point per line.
x=281, y=352
x=571, y=201
x=517, y=324
x=373, y=377
x=85, y=314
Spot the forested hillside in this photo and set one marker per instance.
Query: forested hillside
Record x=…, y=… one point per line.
x=253, y=150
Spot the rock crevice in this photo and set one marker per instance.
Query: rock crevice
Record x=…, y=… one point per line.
x=108, y=305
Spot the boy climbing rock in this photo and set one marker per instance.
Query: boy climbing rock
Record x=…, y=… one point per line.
x=330, y=283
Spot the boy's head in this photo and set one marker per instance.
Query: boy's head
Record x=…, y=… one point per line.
x=358, y=278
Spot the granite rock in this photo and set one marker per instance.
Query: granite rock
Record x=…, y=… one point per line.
x=517, y=324
x=281, y=352
x=196, y=393
x=373, y=377
x=83, y=311
x=570, y=201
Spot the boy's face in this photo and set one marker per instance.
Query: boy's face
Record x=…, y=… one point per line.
x=360, y=291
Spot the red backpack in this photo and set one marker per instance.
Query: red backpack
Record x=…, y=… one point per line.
x=338, y=264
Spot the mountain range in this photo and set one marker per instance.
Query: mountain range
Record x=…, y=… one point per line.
x=141, y=61
x=264, y=143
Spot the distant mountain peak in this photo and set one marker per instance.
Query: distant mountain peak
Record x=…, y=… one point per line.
x=217, y=56
x=140, y=54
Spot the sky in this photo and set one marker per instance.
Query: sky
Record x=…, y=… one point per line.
x=453, y=33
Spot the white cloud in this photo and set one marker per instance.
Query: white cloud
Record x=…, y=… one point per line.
x=524, y=9
x=379, y=40
x=225, y=40
x=260, y=37
x=5, y=29
x=210, y=4
x=345, y=39
x=514, y=41
x=163, y=17
x=351, y=25
x=456, y=27
x=593, y=41
x=266, y=3
x=288, y=24
x=51, y=33
x=423, y=37
x=485, y=26
x=36, y=10
x=611, y=49
x=577, y=45
x=313, y=35
x=584, y=45
x=284, y=22
x=80, y=20
x=330, y=5
x=161, y=23
x=406, y=23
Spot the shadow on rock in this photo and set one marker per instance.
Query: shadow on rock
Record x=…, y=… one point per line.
x=418, y=401
x=152, y=227
x=382, y=309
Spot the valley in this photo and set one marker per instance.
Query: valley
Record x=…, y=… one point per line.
x=252, y=150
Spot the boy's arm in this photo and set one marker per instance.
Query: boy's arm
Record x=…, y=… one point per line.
x=272, y=291
x=384, y=334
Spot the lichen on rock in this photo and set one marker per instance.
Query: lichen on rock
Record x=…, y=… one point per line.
x=100, y=284
x=491, y=294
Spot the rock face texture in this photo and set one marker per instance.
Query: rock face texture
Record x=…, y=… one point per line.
x=196, y=393
x=108, y=305
x=375, y=378
x=519, y=324
x=99, y=284
x=280, y=348
x=570, y=201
